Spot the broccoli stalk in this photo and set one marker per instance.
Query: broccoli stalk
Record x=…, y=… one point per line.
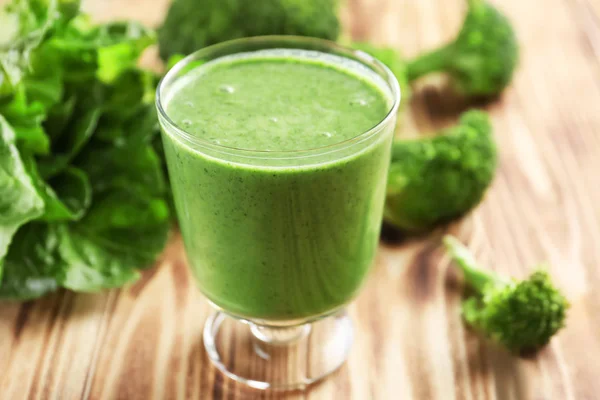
x=523, y=316
x=482, y=58
x=438, y=179
x=193, y=24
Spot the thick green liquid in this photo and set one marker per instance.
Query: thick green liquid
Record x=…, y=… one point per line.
x=275, y=241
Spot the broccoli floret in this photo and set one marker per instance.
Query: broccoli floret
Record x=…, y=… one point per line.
x=193, y=24
x=394, y=61
x=481, y=60
x=435, y=180
x=523, y=316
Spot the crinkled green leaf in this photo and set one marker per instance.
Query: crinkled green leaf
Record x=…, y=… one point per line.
x=140, y=129
x=77, y=134
x=32, y=264
x=19, y=202
x=44, y=82
x=26, y=120
x=114, y=59
x=131, y=92
x=94, y=263
x=106, y=248
x=123, y=209
x=67, y=196
x=73, y=194
x=103, y=51
x=59, y=117
x=136, y=168
x=24, y=24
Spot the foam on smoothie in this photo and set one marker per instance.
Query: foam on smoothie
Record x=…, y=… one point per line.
x=279, y=100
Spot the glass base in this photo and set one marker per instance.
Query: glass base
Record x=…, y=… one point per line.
x=277, y=358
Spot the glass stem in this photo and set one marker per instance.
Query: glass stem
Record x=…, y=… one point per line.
x=279, y=336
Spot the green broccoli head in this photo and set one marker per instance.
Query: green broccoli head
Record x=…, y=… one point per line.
x=438, y=179
x=481, y=60
x=394, y=61
x=522, y=316
x=193, y=24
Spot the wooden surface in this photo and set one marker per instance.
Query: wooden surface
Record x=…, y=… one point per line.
x=143, y=342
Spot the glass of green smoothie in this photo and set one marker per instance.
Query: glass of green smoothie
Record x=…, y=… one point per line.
x=278, y=151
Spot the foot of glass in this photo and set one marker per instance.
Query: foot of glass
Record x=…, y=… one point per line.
x=266, y=357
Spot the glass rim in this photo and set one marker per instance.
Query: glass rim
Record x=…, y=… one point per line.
x=366, y=59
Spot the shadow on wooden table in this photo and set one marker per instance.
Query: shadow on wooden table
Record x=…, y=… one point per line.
x=46, y=311
x=440, y=101
x=488, y=363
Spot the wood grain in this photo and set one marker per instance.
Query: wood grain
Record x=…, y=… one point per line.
x=143, y=342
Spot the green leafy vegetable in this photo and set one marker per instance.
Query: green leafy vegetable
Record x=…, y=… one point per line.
x=434, y=180
x=482, y=58
x=66, y=197
x=136, y=168
x=81, y=129
x=130, y=93
x=193, y=24
x=522, y=316
x=24, y=25
x=84, y=198
x=32, y=265
x=103, y=52
x=73, y=194
x=22, y=30
x=26, y=120
x=66, y=147
x=43, y=82
x=121, y=233
x=19, y=202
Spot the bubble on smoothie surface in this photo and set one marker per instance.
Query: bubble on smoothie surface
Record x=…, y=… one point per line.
x=273, y=119
x=186, y=122
x=327, y=134
x=359, y=102
x=226, y=89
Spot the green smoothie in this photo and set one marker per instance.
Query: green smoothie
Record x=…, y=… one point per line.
x=278, y=230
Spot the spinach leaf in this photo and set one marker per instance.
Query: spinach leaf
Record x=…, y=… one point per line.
x=124, y=208
x=26, y=120
x=73, y=195
x=19, y=202
x=23, y=26
x=140, y=129
x=66, y=196
x=58, y=117
x=70, y=143
x=125, y=42
x=106, y=248
x=130, y=93
x=44, y=82
x=101, y=52
x=32, y=263
x=135, y=168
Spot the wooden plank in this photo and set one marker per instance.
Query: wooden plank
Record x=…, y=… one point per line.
x=143, y=342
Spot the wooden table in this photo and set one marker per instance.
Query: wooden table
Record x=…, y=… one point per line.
x=143, y=342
